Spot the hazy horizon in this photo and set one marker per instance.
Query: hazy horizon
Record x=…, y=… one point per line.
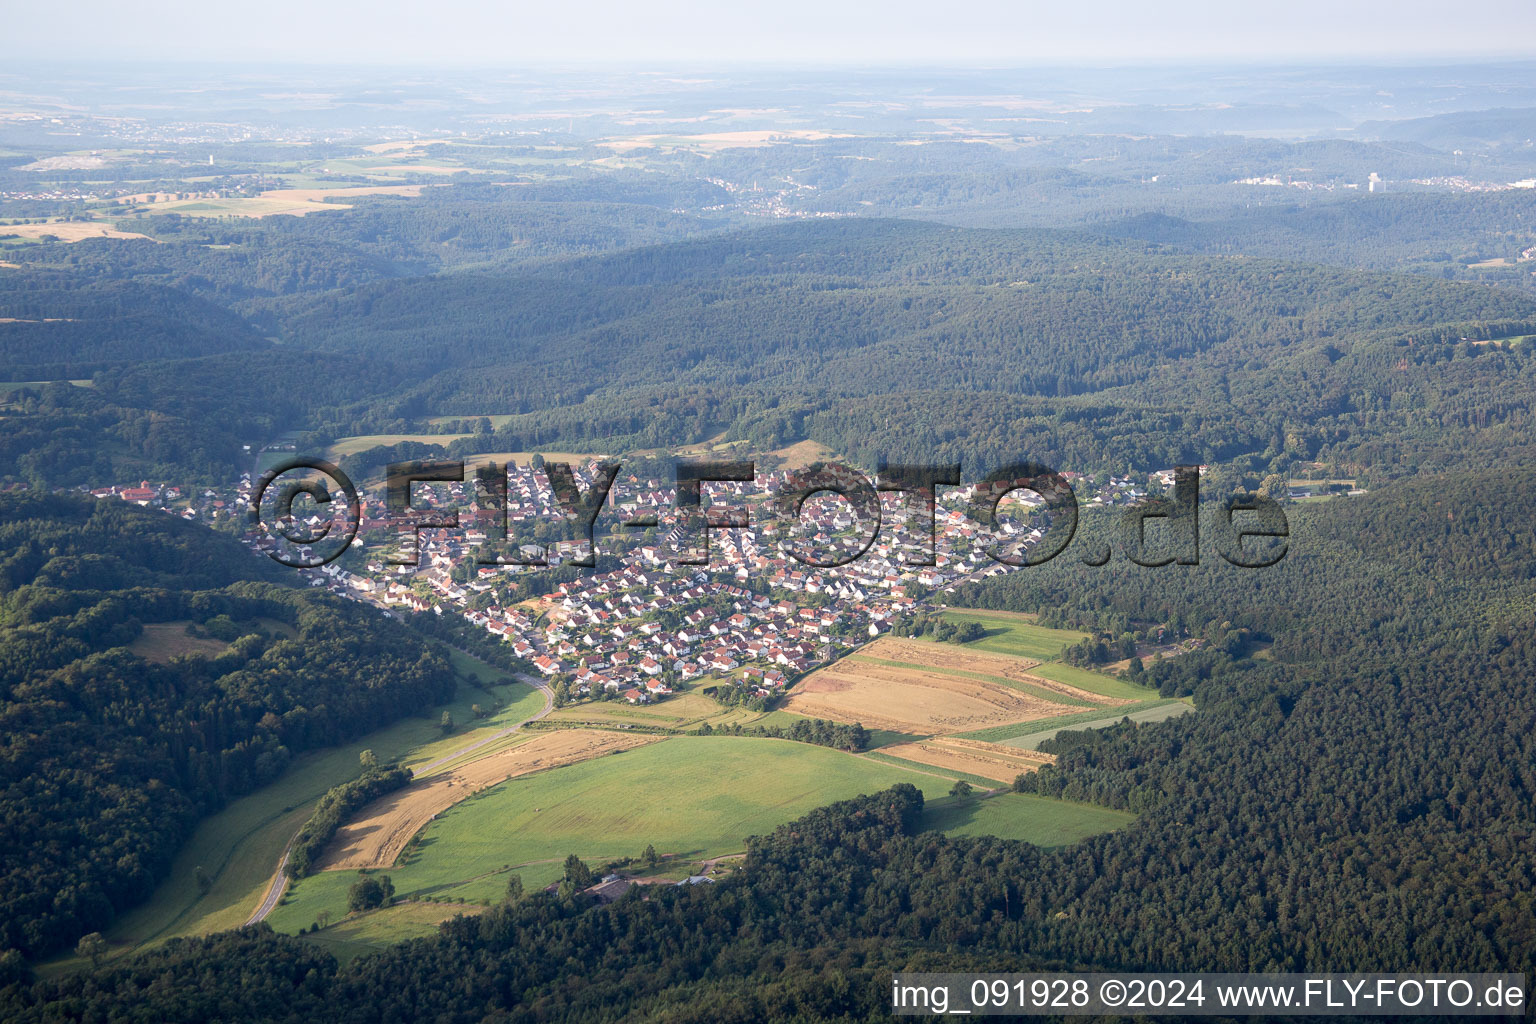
x=904, y=33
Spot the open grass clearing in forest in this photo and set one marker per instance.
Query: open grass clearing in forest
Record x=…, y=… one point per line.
x=376, y=835
x=1035, y=819
x=693, y=798
x=497, y=419
x=9, y=388
x=1513, y=339
x=360, y=934
x=801, y=454
x=914, y=687
x=162, y=641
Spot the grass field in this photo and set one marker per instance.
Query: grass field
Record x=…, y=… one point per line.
x=923, y=702
x=70, y=231
x=499, y=419
x=1039, y=820
x=1036, y=819
x=367, y=933
x=1093, y=682
x=1022, y=683
x=297, y=202
x=1078, y=720
x=1001, y=764
x=363, y=442
x=162, y=641
x=693, y=797
x=686, y=710
x=375, y=836
x=240, y=846
x=1014, y=633
x=1154, y=711
x=948, y=776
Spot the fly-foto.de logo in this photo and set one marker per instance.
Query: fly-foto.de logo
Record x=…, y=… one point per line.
x=707, y=496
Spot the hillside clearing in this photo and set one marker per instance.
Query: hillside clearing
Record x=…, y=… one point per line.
x=162, y=641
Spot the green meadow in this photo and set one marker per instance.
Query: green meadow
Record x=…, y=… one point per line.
x=1094, y=682
x=693, y=798
x=1013, y=633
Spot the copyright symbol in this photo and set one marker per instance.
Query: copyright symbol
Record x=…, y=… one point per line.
x=1112, y=992
x=282, y=513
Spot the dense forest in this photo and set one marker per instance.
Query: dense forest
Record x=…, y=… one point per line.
x=878, y=339
x=114, y=747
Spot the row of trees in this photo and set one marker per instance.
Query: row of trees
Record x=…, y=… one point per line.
x=336, y=805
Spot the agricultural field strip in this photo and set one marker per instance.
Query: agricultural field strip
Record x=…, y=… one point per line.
x=927, y=769
x=1056, y=693
x=379, y=832
x=922, y=702
x=997, y=763
x=1092, y=688
x=1000, y=733
x=1157, y=711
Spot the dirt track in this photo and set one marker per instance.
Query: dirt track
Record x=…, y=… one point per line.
x=378, y=833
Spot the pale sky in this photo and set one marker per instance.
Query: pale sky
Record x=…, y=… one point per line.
x=485, y=32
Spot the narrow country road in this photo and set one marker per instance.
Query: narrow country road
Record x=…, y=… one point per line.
x=275, y=888
x=549, y=705
x=279, y=883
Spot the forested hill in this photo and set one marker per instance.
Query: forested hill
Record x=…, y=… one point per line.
x=1438, y=234
x=55, y=325
x=1360, y=799
x=877, y=338
x=913, y=340
x=149, y=673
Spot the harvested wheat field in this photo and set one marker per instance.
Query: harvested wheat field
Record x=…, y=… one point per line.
x=319, y=195
x=964, y=659
x=70, y=231
x=380, y=831
x=973, y=757
x=949, y=658
x=914, y=700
